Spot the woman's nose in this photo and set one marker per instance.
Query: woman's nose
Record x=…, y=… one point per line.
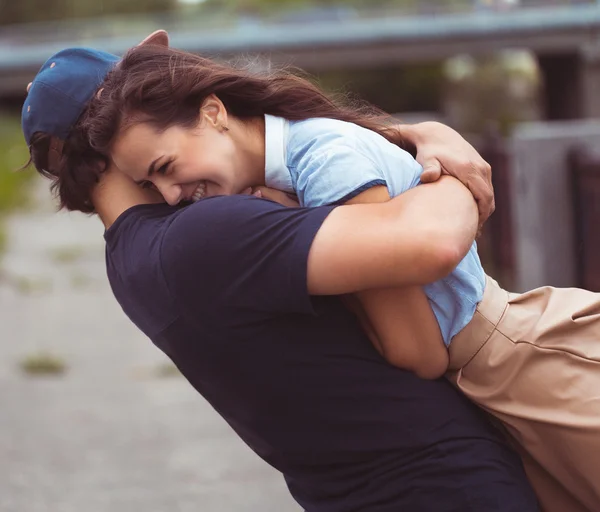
x=171, y=193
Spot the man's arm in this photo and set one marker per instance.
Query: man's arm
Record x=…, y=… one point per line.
x=399, y=321
x=416, y=238
x=254, y=257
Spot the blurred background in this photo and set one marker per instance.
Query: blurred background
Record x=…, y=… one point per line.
x=93, y=417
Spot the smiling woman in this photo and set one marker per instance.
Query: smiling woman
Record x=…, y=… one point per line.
x=220, y=155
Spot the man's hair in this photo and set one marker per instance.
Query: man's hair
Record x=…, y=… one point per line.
x=75, y=173
x=166, y=87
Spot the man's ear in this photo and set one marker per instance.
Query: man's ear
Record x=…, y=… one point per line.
x=158, y=37
x=213, y=111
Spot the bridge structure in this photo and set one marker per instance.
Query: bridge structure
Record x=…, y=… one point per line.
x=565, y=39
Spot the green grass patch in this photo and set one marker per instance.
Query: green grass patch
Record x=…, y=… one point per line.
x=13, y=154
x=80, y=281
x=13, y=183
x=162, y=370
x=43, y=363
x=67, y=254
x=166, y=370
x=26, y=285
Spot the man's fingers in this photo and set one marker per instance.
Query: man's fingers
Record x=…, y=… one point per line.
x=484, y=195
x=486, y=211
x=432, y=171
x=487, y=171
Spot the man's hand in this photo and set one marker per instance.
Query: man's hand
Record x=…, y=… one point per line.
x=441, y=150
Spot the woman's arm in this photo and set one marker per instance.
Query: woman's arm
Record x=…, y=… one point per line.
x=400, y=321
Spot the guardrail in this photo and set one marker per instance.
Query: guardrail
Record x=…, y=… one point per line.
x=340, y=37
x=215, y=19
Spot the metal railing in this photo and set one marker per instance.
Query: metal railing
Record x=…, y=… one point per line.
x=215, y=20
x=318, y=39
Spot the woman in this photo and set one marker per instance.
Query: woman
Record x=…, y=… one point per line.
x=193, y=128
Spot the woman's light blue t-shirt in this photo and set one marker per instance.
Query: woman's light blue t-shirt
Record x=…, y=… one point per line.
x=325, y=161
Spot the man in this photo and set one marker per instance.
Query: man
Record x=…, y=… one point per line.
x=239, y=293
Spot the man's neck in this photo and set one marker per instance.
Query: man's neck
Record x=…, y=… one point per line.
x=116, y=193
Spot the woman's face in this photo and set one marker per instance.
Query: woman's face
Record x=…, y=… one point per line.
x=184, y=164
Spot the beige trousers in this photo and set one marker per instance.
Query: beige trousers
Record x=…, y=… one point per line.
x=532, y=360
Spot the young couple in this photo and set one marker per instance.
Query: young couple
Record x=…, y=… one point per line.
x=243, y=294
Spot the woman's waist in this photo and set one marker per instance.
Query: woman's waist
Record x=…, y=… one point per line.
x=487, y=315
x=454, y=299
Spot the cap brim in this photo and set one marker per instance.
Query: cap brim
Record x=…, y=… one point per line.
x=159, y=38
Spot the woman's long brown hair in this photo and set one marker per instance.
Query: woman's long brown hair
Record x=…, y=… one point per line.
x=166, y=87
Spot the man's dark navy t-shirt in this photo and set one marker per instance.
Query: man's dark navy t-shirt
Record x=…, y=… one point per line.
x=221, y=287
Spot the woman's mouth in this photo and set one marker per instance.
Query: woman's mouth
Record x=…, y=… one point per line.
x=200, y=191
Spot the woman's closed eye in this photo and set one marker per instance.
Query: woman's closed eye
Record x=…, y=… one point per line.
x=147, y=184
x=164, y=168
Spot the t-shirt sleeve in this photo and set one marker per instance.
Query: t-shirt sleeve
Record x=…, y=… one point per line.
x=334, y=173
x=241, y=253
x=331, y=162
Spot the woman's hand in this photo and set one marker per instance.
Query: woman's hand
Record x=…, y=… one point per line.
x=277, y=196
x=442, y=150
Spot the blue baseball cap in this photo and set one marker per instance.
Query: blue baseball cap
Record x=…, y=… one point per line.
x=61, y=90
x=65, y=85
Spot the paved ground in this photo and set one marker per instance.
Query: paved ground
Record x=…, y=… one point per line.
x=110, y=434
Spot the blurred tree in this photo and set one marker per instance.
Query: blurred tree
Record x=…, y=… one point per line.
x=501, y=90
x=25, y=11
x=410, y=88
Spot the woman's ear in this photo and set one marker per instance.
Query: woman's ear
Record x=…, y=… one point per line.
x=213, y=111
